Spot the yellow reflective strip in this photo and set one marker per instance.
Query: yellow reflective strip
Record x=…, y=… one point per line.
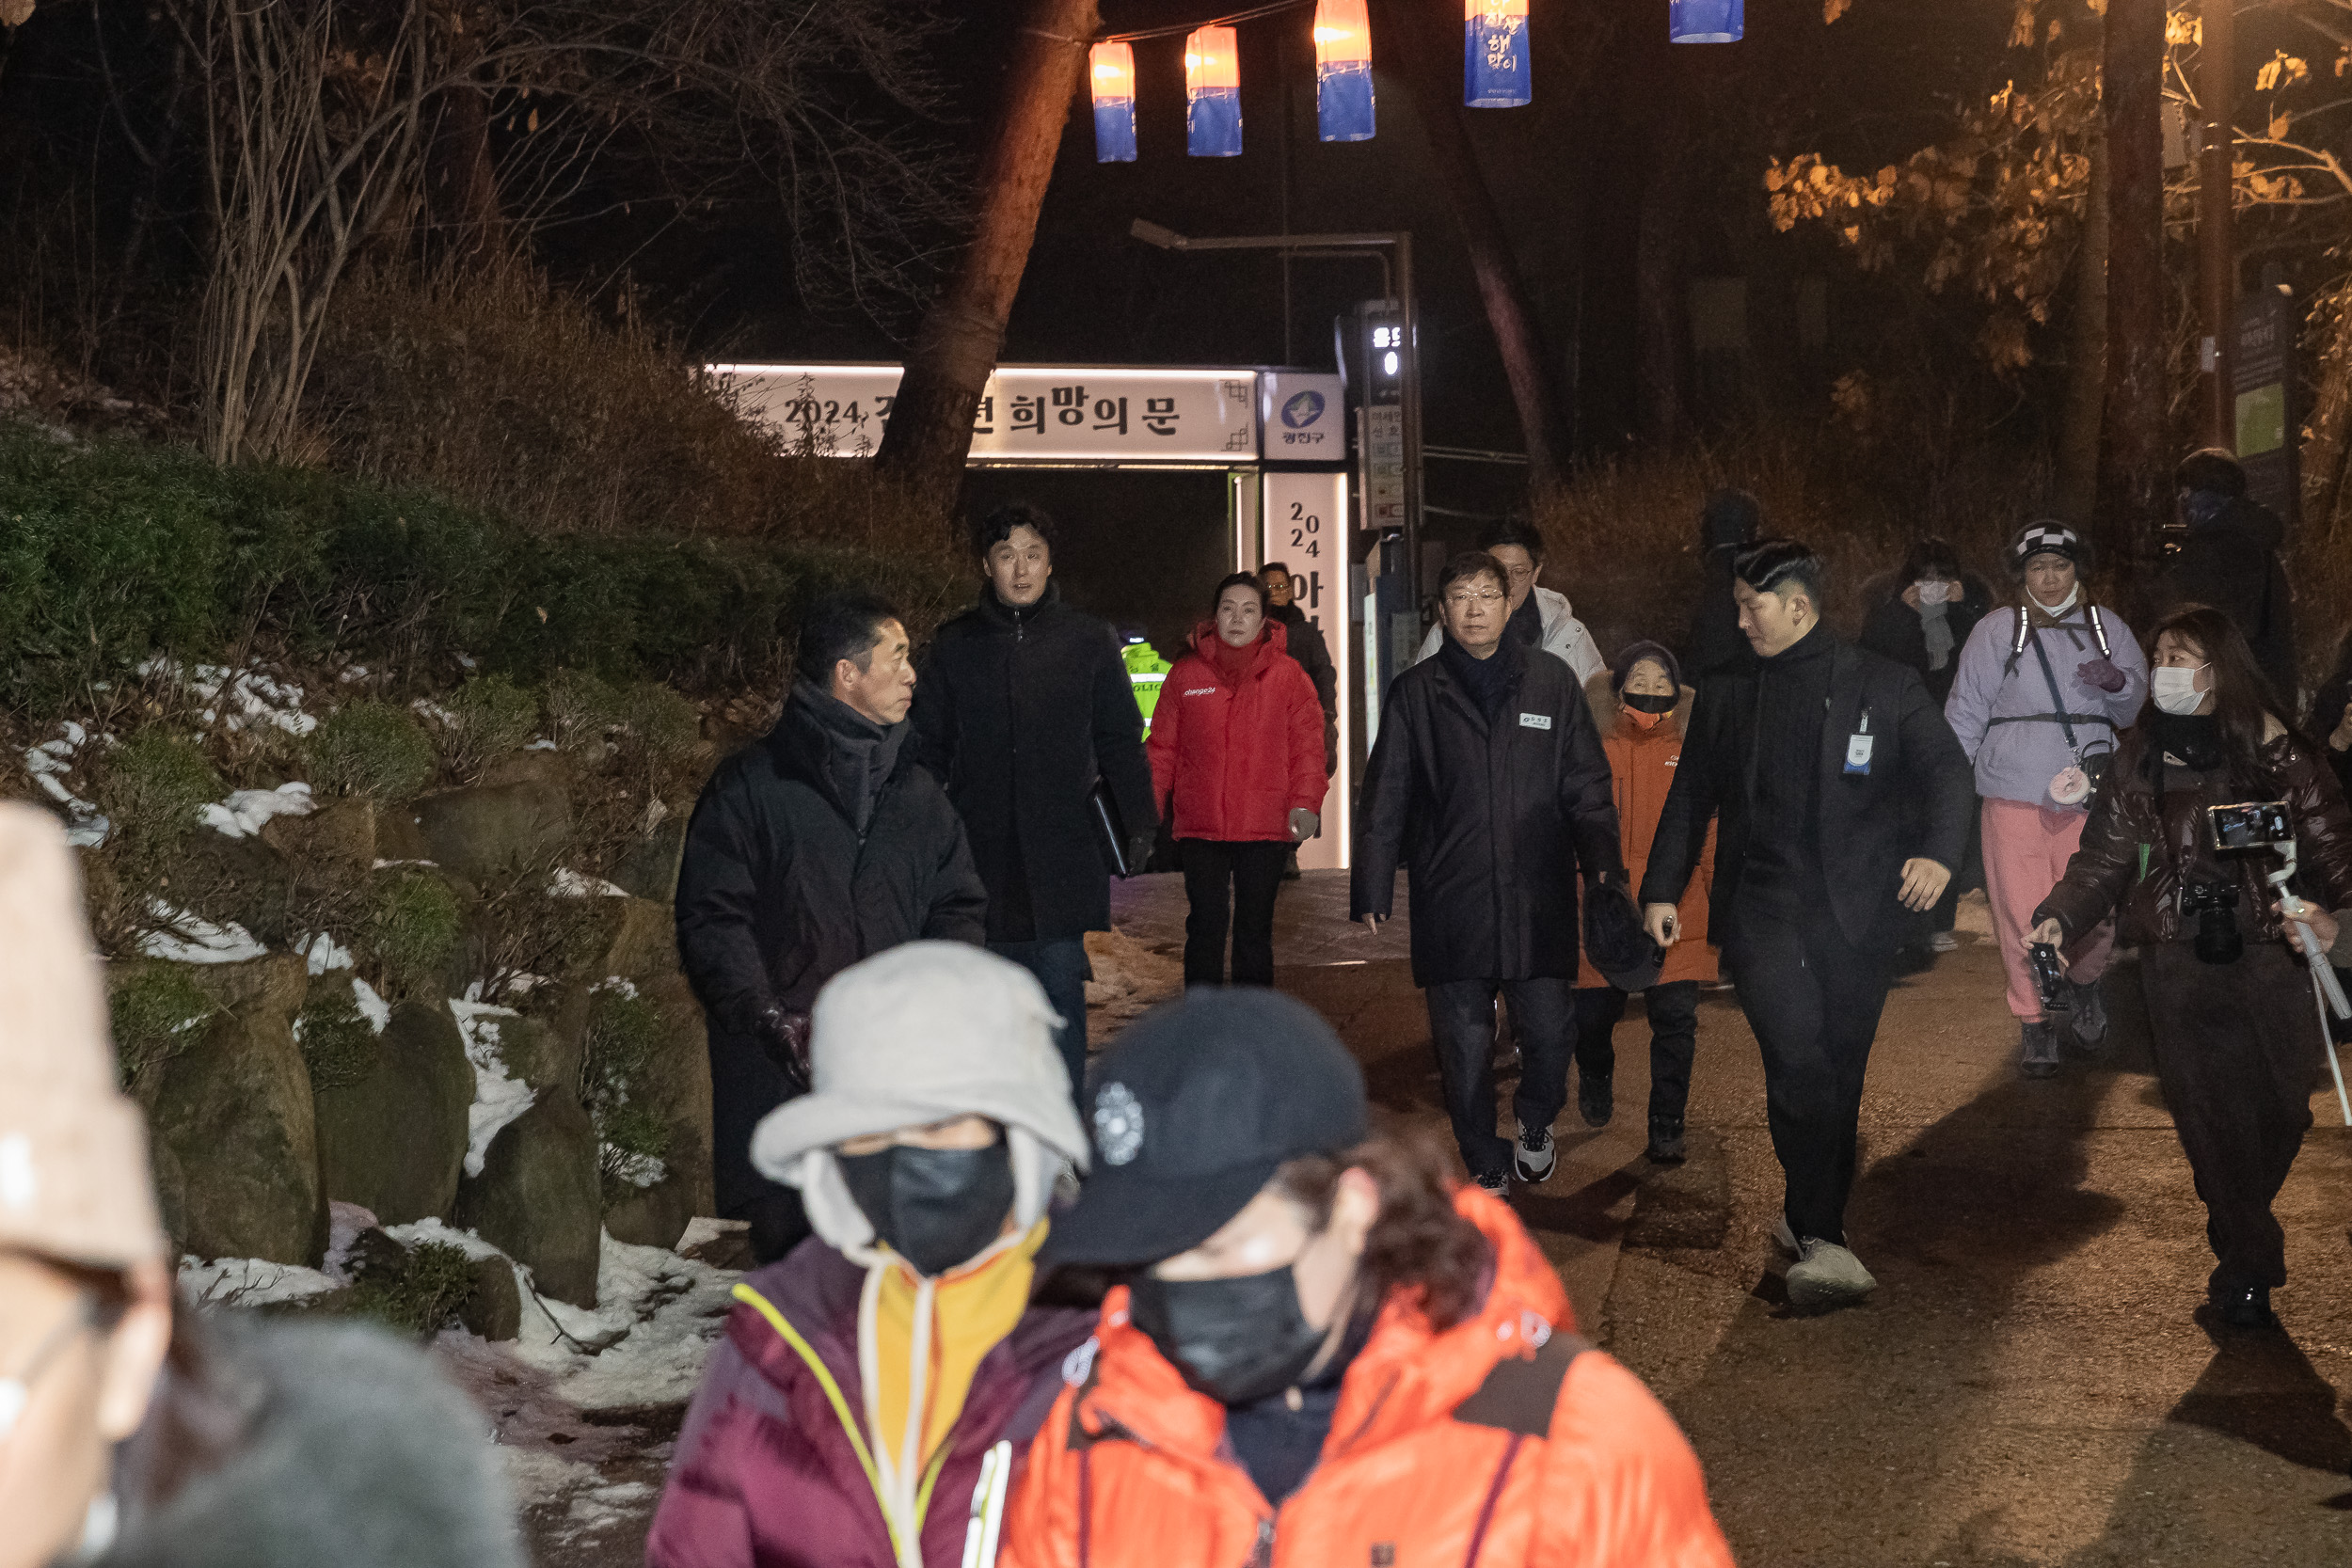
x=791, y=1336
x=930, y=1478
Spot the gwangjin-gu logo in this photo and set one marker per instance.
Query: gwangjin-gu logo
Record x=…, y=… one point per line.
x=1303, y=410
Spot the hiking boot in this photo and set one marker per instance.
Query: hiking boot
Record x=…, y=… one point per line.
x=2087, y=1020
x=1496, y=1184
x=1596, y=1097
x=1532, y=1156
x=2244, y=1305
x=2041, y=1050
x=1826, y=1275
x=1666, y=1141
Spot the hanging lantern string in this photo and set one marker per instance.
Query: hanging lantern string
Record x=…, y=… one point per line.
x=1251, y=15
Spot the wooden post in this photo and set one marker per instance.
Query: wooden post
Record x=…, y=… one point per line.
x=2136, y=438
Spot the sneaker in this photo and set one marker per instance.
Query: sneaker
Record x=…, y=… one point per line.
x=2089, y=1017
x=1596, y=1098
x=1783, y=1237
x=1826, y=1275
x=2244, y=1305
x=1944, y=941
x=1495, y=1182
x=1666, y=1141
x=1532, y=1156
x=2040, y=1049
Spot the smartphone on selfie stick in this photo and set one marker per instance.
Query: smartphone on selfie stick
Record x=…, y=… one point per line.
x=2256, y=826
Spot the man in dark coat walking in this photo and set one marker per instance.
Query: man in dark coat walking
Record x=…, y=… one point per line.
x=1313, y=654
x=810, y=850
x=1728, y=523
x=1489, y=782
x=1025, y=702
x=2228, y=559
x=1844, y=800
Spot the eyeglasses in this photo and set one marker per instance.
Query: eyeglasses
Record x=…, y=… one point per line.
x=1520, y=574
x=1463, y=601
x=17, y=1393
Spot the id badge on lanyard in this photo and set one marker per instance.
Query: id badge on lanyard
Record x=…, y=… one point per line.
x=1858, y=747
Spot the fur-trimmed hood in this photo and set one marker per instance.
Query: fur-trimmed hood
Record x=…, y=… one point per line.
x=1608, y=719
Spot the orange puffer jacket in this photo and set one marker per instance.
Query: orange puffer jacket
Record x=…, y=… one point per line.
x=1494, y=1442
x=1642, y=766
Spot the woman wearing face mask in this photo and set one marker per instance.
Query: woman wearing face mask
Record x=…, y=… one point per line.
x=2237, y=1035
x=134, y=1431
x=1641, y=708
x=2043, y=690
x=875, y=1384
x=1236, y=750
x=1325, y=1353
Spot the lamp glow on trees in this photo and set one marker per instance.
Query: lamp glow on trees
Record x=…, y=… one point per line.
x=1494, y=54
x=1213, y=94
x=1708, y=21
x=1344, y=96
x=1111, y=73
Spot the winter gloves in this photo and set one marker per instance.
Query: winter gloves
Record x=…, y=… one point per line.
x=2101, y=673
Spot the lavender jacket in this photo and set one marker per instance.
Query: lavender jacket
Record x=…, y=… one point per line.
x=766, y=1475
x=2001, y=711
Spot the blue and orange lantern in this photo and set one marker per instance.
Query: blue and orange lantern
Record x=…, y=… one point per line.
x=1494, y=54
x=1111, y=73
x=1343, y=107
x=1708, y=21
x=1213, y=94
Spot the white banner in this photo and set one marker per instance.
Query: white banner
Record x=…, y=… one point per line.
x=1304, y=521
x=1027, y=414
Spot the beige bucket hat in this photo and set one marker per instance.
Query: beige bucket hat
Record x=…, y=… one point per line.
x=75, y=1182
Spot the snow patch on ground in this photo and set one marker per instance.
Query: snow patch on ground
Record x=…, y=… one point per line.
x=237, y=699
x=568, y=883
x=85, y=826
x=321, y=953
x=242, y=814
x=249, y=1282
x=372, y=1007
x=497, y=1099
x=668, y=1310
x=190, y=939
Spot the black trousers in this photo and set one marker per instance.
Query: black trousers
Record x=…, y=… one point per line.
x=2237, y=1048
x=1813, y=999
x=1462, y=1032
x=1231, y=884
x=1674, y=1037
x=745, y=1085
x=1061, y=966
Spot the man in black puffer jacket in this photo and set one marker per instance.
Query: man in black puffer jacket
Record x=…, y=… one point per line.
x=1023, y=703
x=820, y=845
x=2227, y=558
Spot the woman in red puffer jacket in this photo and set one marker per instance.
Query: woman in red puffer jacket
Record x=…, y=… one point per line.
x=1236, y=751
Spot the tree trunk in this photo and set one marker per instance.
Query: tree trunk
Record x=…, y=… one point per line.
x=2135, y=440
x=1662, y=321
x=929, y=438
x=2331, y=428
x=461, y=187
x=2079, y=419
x=1428, y=62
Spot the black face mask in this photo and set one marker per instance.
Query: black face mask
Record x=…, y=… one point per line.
x=1237, y=1341
x=1650, y=704
x=936, y=1208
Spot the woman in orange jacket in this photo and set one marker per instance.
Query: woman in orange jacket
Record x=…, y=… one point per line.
x=1643, y=707
x=1326, y=1352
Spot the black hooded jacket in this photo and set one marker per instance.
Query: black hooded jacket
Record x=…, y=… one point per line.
x=1313, y=654
x=1017, y=713
x=1496, y=818
x=2232, y=564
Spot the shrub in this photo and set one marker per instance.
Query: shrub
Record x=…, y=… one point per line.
x=338, y=1045
x=488, y=715
x=157, y=1009
x=150, y=788
x=412, y=927
x=426, y=1292
x=375, y=749
x=624, y=1033
x=662, y=721
x=580, y=707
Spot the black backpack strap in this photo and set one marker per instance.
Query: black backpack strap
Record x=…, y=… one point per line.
x=1520, y=1393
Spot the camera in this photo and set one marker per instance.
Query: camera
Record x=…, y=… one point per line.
x=2251, y=825
x=2049, y=977
x=2214, y=907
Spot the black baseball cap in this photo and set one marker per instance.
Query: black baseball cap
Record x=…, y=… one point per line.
x=1193, y=1111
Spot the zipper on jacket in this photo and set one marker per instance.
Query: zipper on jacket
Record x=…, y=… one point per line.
x=1262, y=1555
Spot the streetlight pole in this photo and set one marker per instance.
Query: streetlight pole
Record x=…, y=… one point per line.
x=1396, y=244
x=2215, y=221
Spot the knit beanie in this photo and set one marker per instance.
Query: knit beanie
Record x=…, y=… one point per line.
x=2211, y=470
x=75, y=1182
x=1621, y=667
x=2047, y=538
x=922, y=1033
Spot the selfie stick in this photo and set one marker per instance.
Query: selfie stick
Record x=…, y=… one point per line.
x=2324, y=989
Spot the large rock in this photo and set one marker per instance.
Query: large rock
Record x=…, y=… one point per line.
x=540, y=1052
x=395, y=1142
x=354, y=833
x=633, y=937
x=539, y=1198
x=234, y=1112
x=678, y=1085
x=655, y=1215
x=494, y=1308
x=649, y=867
x=496, y=830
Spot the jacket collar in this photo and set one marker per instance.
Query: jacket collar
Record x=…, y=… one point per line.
x=997, y=612
x=1407, y=1377
x=1205, y=643
x=1610, y=722
x=836, y=750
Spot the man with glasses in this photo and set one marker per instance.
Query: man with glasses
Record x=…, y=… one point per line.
x=1537, y=618
x=1489, y=782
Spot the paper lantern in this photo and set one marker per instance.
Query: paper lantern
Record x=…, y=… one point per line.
x=1112, y=68
x=1708, y=21
x=1343, y=108
x=1213, y=94
x=1494, y=54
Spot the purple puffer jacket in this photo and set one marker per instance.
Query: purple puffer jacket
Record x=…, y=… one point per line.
x=765, y=1474
x=2001, y=713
